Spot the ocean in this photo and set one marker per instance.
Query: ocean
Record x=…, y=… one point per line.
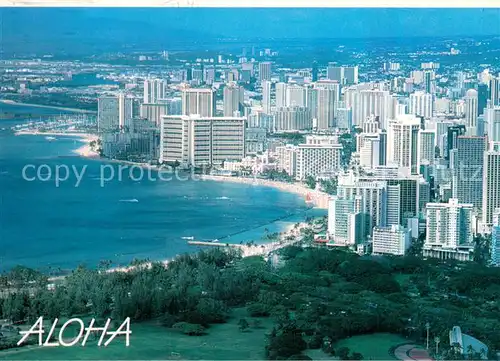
x=56, y=228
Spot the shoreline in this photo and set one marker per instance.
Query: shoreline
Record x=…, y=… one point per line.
x=262, y=249
x=76, y=110
x=83, y=151
x=318, y=198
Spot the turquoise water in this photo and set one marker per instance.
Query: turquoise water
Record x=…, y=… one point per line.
x=51, y=228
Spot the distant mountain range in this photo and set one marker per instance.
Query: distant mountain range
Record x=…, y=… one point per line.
x=84, y=30
x=80, y=31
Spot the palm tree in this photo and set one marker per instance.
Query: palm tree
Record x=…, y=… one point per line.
x=470, y=352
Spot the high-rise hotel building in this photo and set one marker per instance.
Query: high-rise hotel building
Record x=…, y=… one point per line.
x=449, y=230
x=114, y=113
x=373, y=198
x=233, y=99
x=421, y=104
x=471, y=111
x=408, y=192
x=467, y=163
x=266, y=97
x=346, y=223
x=427, y=146
x=327, y=95
x=318, y=155
x=198, y=101
x=265, y=71
x=491, y=185
x=393, y=240
x=403, y=142
x=154, y=90
x=195, y=141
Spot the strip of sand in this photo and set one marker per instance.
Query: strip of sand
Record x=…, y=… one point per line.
x=318, y=198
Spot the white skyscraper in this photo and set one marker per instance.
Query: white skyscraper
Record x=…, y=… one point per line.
x=196, y=141
x=421, y=104
x=154, y=112
x=403, y=142
x=292, y=118
x=495, y=91
x=326, y=108
x=287, y=159
x=491, y=185
x=296, y=96
x=265, y=71
x=372, y=102
x=346, y=225
x=154, y=89
x=200, y=101
x=427, y=146
x=373, y=195
x=114, y=113
x=371, y=125
x=266, y=97
x=344, y=118
x=369, y=148
x=394, y=240
x=233, y=99
x=449, y=230
x=312, y=101
x=107, y=113
x=492, y=120
x=467, y=163
x=281, y=95
x=318, y=155
x=125, y=111
x=471, y=111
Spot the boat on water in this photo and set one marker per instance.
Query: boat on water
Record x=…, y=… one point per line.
x=190, y=238
x=215, y=241
x=50, y=138
x=129, y=200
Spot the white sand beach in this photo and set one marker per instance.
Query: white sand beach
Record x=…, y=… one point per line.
x=83, y=151
x=263, y=249
x=318, y=198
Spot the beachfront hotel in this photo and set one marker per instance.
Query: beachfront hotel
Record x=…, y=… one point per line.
x=195, y=141
x=114, y=113
x=319, y=155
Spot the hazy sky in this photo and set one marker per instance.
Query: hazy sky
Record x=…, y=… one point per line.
x=278, y=23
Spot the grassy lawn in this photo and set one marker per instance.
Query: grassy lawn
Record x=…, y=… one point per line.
x=373, y=347
x=151, y=341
